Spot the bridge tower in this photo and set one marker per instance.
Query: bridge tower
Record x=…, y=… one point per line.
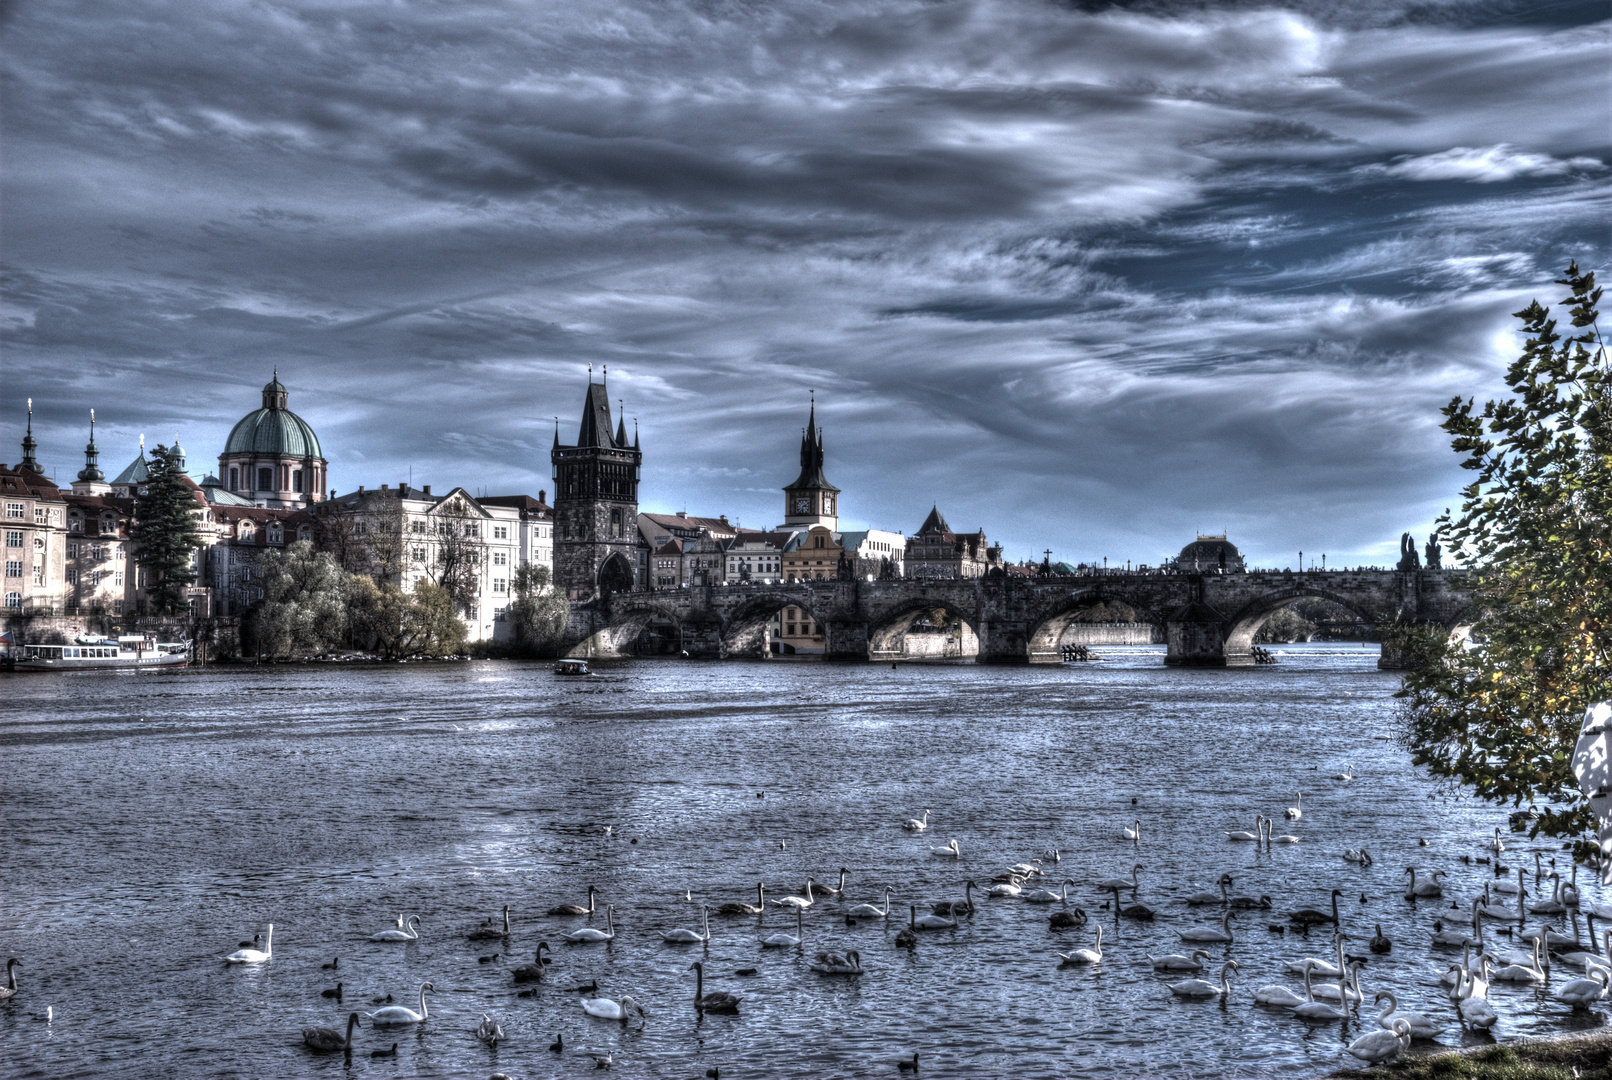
x=811, y=499
x=596, y=543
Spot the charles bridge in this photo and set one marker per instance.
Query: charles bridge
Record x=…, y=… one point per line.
x=1208, y=620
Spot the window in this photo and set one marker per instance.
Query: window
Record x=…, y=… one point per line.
x=472, y=528
x=75, y=525
x=500, y=532
x=296, y=479
x=118, y=551
x=117, y=607
x=265, y=479
x=305, y=532
x=14, y=568
x=274, y=532
x=13, y=538
x=72, y=577
x=14, y=510
x=419, y=553
x=235, y=479
x=39, y=573
x=500, y=558
x=500, y=585
x=97, y=576
x=14, y=599
x=39, y=515
x=501, y=614
x=417, y=526
x=117, y=578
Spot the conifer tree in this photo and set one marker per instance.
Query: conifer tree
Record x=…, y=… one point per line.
x=164, y=533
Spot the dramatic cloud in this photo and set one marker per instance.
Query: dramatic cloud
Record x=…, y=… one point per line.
x=1088, y=276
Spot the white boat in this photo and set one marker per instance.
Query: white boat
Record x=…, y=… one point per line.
x=131, y=651
x=572, y=667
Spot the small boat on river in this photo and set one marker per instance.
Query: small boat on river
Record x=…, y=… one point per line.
x=90, y=653
x=572, y=667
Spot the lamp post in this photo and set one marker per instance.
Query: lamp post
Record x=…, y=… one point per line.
x=1301, y=562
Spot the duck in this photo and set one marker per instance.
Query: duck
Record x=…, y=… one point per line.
x=908, y=1066
x=9, y=991
x=1135, y=882
x=1177, y=962
x=491, y=933
x=1084, y=956
x=1380, y=943
x=1420, y=1027
x=384, y=1053
x=1202, y=988
x=1423, y=890
x=254, y=956
x=1047, y=896
x=681, y=936
x=1296, y=811
x=718, y=1001
x=575, y=909
x=333, y=992
x=739, y=907
x=1377, y=1047
x=558, y=1045
x=1209, y=897
x=410, y=932
x=1134, y=833
x=802, y=902
x=605, y=1009
x=1206, y=933
x=489, y=1032
x=323, y=1038
x=534, y=971
x=1310, y=916
x=784, y=941
x=950, y=851
x=334, y=964
x=965, y=906
x=830, y=963
x=398, y=1015
x=916, y=824
x=872, y=911
x=1255, y=835
x=591, y=934
x=1582, y=993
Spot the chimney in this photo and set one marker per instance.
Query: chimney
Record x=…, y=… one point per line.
x=542, y=496
x=682, y=513
x=724, y=519
x=361, y=489
x=427, y=490
x=403, y=488
x=383, y=487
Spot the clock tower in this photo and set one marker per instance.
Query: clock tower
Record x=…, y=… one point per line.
x=811, y=499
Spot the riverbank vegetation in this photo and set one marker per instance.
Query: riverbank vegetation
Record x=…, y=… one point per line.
x=1501, y=713
x=1584, y=1057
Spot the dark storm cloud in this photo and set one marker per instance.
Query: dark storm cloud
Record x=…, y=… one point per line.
x=1088, y=276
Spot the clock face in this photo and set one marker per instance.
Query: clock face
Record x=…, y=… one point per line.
x=803, y=505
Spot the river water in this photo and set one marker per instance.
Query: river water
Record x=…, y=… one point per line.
x=153, y=821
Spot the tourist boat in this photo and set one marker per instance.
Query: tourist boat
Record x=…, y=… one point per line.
x=572, y=667
x=132, y=651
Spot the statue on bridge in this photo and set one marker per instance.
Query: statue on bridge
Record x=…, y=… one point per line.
x=1408, y=559
x=844, y=571
x=1434, y=555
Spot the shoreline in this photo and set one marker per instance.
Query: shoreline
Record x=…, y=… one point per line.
x=1576, y=1055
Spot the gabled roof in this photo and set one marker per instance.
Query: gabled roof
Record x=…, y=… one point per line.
x=681, y=523
x=533, y=507
x=21, y=481
x=136, y=472
x=934, y=523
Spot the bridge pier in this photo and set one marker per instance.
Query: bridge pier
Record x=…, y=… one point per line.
x=1195, y=636
x=1004, y=641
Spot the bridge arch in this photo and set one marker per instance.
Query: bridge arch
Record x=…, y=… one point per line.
x=888, y=632
x=744, y=629
x=628, y=615
x=1047, y=631
x=1242, y=626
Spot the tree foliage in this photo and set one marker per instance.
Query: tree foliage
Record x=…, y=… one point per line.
x=457, y=553
x=539, y=611
x=399, y=624
x=304, y=606
x=1502, y=714
x=164, y=533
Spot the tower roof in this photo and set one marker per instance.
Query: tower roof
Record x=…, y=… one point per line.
x=934, y=523
x=811, y=458
x=595, y=429
x=273, y=430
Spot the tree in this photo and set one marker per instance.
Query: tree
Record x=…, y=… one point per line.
x=400, y=624
x=336, y=531
x=304, y=606
x=380, y=525
x=539, y=612
x=1502, y=714
x=164, y=533
x=458, y=553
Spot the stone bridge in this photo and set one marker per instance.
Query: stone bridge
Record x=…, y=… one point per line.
x=1208, y=620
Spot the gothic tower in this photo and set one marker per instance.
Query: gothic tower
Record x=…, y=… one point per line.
x=596, y=545
x=810, y=500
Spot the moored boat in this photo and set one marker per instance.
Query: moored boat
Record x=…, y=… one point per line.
x=85, y=654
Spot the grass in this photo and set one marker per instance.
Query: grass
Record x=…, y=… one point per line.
x=1585, y=1057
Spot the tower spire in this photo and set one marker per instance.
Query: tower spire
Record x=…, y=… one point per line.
x=92, y=473
x=28, y=464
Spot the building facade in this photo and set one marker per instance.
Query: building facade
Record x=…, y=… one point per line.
x=936, y=552
x=536, y=528
x=597, y=549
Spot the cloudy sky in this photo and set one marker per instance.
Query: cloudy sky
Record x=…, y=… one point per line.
x=1092, y=276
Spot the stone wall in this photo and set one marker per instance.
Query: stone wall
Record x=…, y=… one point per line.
x=1116, y=633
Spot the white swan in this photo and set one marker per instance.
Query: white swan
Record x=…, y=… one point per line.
x=1086, y=956
x=797, y=901
x=1279, y=996
x=411, y=933
x=1492, y=910
x=1580, y=958
x=1285, y=838
x=1347, y=990
x=1473, y=1005
x=1496, y=844
x=1201, y=988
x=397, y=1015
x=1522, y=973
x=605, y=1009
x=872, y=911
x=1047, y=896
x=588, y=933
x=1358, y=855
x=681, y=936
x=1313, y=1009
x=1205, y=933
x=1425, y=889
x=913, y=824
x=951, y=851
x=784, y=941
x=1177, y=962
x=1207, y=897
x=1582, y=993
x=1347, y=774
x=1551, y=905
x=1133, y=884
x=254, y=956
x=931, y=922
x=1420, y=1026
x=489, y=1032
x=1134, y=833
x=1296, y=811
x=1379, y=1046
x=1008, y=889
x=1254, y=836
x=831, y=963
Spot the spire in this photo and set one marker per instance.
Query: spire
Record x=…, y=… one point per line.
x=556, y=432
x=92, y=473
x=28, y=464
x=621, y=424
x=635, y=433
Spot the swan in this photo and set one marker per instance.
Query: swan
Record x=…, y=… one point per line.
x=1380, y=1046
x=10, y=989
x=1279, y=996
x=1254, y=836
x=1062, y=920
x=395, y=1015
x=575, y=909
x=252, y=956
x=1310, y=916
x=1134, y=833
x=1047, y=896
x=1553, y=904
x=1426, y=889
x=847, y=963
x=1177, y=962
x=1317, y=1010
x=739, y=907
x=1420, y=1026
x=829, y=890
x=1498, y=911
x=681, y=936
x=1027, y=869
x=1347, y=774
x=1200, y=988
x=489, y=1032
x=1207, y=897
x=717, y=1001
x=1380, y=942
x=605, y=1009
x=588, y=933
x=534, y=971
x=1085, y=956
x=916, y=824
x=1358, y=855
x=1496, y=844
x=1120, y=883
x=1522, y=973
x=1285, y=838
x=323, y=1038
x=1296, y=811
x=1579, y=958
x=1473, y=1005
x=1582, y=993
x=1503, y=884
x=412, y=933
x=1008, y=889
x=954, y=908
x=872, y=911
x=950, y=851
x=1205, y=933
x=1570, y=890
x=931, y=922
x=1263, y=902
x=784, y=941
x=1347, y=990
x=491, y=933
x=798, y=901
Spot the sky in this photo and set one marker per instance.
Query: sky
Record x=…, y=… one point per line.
x=1092, y=277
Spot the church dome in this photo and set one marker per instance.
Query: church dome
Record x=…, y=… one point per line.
x=273, y=430
x=1210, y=553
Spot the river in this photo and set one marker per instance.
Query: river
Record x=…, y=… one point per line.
x=152, y=821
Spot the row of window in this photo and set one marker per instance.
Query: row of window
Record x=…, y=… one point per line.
x=16, y=511
x=265, y=478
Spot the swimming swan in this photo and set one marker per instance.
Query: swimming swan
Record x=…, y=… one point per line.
x=717, y=1001
x=950, y=851
x=1085, y=956
x=916, y=824
x=397, y=1015
x=1200, y=988
x=323, y=1038
x=739, y=907
x=575, y=909
x=872, y=911
x=588, y=933
x=797, y=901
x=605, y=1009
x=681, y=936
x=1204, y=933
x=412, y=933
x=784, y=941
x=1177, y=962
x=1420, y=1027
x=252, y=956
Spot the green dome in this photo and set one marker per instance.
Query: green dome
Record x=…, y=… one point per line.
x=273, y=432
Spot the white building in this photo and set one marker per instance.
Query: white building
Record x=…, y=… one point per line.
x=536, y=529
x=872, y=547
x=757, y=557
